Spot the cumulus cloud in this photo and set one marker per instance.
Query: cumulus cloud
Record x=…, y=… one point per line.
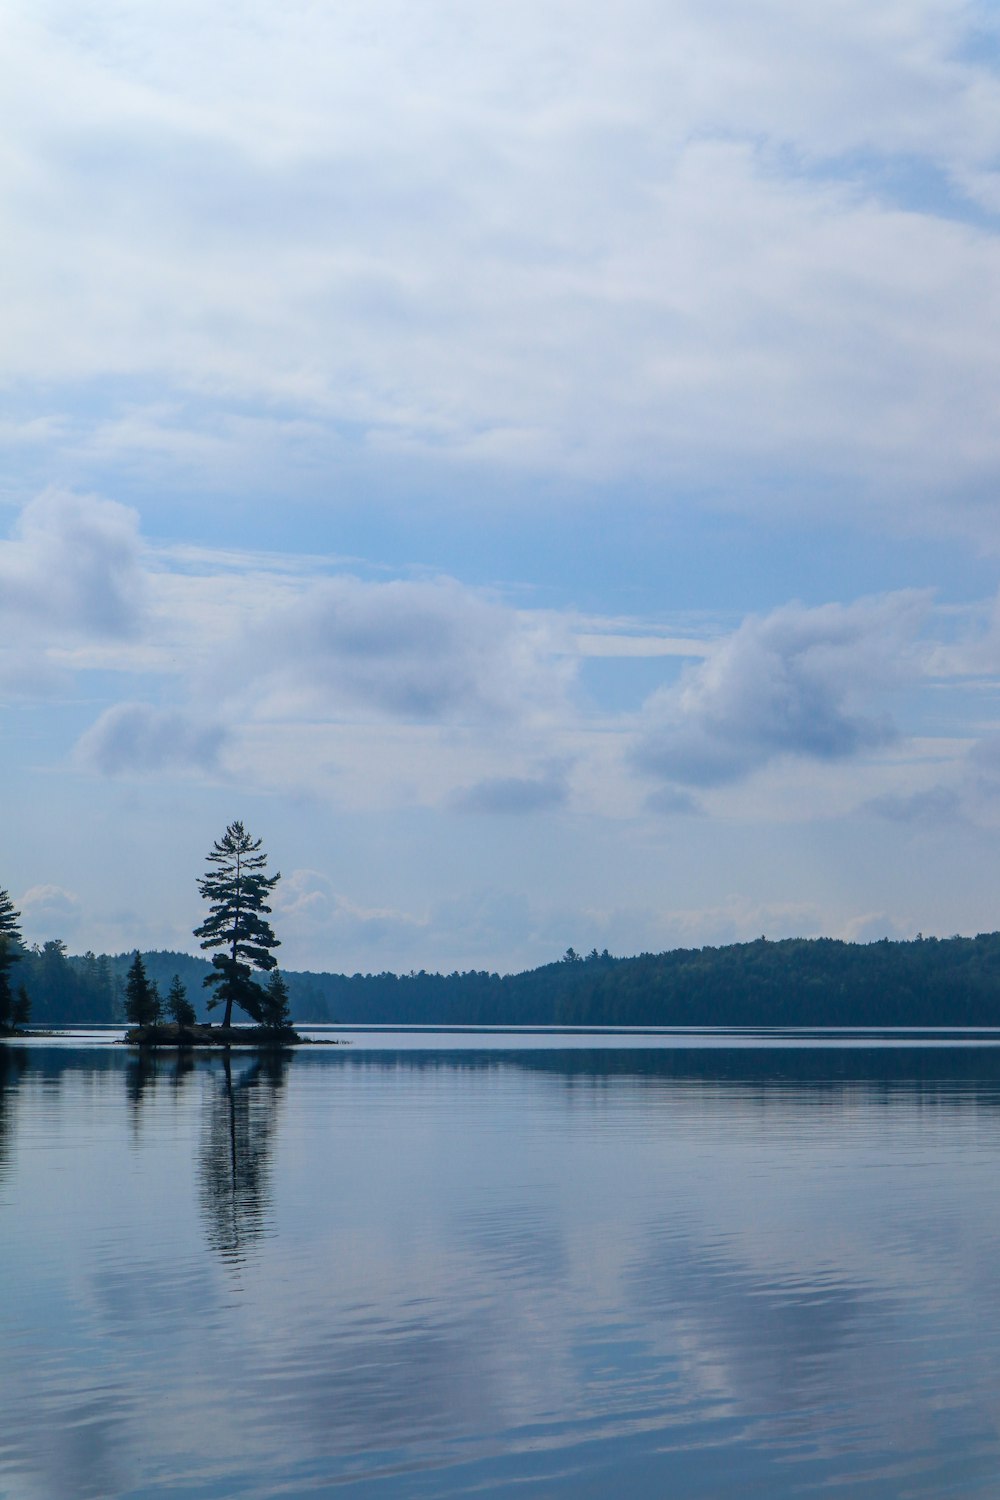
x=72, y=565
x=796, y=682
x=340, y=662
x=48, y=911
x=138, y=738
x=872, y=927
x=424, y=652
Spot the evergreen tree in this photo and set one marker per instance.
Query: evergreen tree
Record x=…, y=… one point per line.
x=274, y=1011
x=10, y=919
x=22, y=1008
x=142, y=1000
x=237, y=889
x=10, y=952
x=178, y=1004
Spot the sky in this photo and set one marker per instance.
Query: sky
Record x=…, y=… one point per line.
x=537, y=466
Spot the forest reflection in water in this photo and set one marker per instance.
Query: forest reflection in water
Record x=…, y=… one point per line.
x=709, y=1269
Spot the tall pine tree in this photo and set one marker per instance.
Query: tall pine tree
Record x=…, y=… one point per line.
x=236, y=889
x=10, y=952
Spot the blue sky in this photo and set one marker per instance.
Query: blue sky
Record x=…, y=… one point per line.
x=535, y=465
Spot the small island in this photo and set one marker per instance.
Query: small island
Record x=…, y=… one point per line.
x=204, y=1034
x=236, y=889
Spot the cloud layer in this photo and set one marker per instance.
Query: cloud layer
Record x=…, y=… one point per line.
x=431, y=652
x=661, y=243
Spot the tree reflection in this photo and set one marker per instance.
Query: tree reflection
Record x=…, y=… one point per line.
x=182, y=1069
x=146, y=1069
x=239, y=1123
x=140, y=1080
x=13, y=1062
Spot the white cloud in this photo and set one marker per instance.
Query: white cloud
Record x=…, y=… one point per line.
x=72, y=566
x=136, y=738
x=49, y=911
x=872, y=927
x=423, y=652
x=799, y=682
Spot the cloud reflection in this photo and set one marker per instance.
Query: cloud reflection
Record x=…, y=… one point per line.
x=755, y=1268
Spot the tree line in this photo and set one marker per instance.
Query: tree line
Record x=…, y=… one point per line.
x=794, y=982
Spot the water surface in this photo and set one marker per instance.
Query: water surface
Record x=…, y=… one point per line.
x=442, y=1264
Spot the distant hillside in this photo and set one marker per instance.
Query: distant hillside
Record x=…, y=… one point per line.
x=795, y=982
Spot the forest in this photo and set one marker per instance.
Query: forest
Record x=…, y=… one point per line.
x=793, y=982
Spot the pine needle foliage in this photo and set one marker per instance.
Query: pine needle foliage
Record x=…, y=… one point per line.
x=10, y=920
x=142, y=999
x=275, y=1012
x=10, y=952
x=178, y=1004
x=236, y=889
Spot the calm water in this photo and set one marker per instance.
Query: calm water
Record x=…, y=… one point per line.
x=457, y=1264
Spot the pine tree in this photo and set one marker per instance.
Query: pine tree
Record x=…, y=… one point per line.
x=10, y=919
x=237, y=889
x=178, y=1004
x=274, y=1011
x=142, y=1000
x=10, y=952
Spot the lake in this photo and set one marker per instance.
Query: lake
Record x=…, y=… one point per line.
x=479, y=1263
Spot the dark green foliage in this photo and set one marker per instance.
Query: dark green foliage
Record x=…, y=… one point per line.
x=21, y=1014
x=163, y=966
x=237, y=889
x=67, y=991
x=796, y=982
x=6, y=993
x=178, y=1004
x=274, y=1010
x=142, y=1000
x=10, y=919
x=10, y=953
x=74, y=991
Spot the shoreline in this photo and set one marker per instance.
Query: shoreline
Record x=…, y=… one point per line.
x=212, y=1038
